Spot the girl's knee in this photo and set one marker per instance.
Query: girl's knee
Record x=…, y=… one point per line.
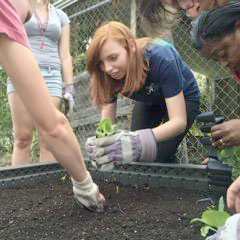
x=22, y=141
x=56, y=129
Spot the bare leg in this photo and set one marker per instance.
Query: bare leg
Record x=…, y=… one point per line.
x=53, y=125
x=22, y=130
x=45, y=155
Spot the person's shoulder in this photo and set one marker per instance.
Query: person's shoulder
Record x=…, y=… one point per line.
x=61, y=14
x=161, y=49
x=59, y=11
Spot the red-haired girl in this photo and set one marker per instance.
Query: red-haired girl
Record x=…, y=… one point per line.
x=152, y=73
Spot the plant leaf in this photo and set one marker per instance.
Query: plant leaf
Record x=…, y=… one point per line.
x=205, y=229
x=199, y=220
x=221, y=204
x=225, y=153
x=215, y=218
x=105, y=128
x=237, y=152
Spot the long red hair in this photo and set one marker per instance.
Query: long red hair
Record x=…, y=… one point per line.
x=103, y=87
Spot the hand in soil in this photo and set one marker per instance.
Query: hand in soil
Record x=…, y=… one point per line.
x=42, y=211
x=87, y=194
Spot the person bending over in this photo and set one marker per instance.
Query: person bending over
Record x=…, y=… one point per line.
x=216, y=34
x=152, y=73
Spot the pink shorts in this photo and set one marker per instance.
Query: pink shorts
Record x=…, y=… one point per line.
x=10, y=23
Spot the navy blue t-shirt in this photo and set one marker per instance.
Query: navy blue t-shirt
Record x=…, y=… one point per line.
x=168, y=75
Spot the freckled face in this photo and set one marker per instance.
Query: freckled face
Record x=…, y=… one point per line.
x=113, y=59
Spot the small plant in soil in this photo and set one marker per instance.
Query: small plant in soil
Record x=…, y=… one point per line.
x=105, y=128
x=212, y=219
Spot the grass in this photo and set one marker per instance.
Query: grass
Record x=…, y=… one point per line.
x=5, y=159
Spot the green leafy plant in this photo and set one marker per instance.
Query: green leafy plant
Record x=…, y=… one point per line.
x=6, y=135
x=212, y=218
x=231, y=156
x=105, y=128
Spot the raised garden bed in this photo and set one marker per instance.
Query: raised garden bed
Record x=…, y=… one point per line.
x=37, y=203
x=47, y=211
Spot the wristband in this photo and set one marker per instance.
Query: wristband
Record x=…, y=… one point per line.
x=70, y=89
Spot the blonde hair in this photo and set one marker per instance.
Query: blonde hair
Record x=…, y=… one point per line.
x=103, y=87
x=42, y=2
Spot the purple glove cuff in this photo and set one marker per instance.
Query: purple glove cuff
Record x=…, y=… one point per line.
x=70, y=89
x=149, y=145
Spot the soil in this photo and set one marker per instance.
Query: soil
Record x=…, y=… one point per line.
x=48, y=212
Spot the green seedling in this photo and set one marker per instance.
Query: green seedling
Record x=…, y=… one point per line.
x=105, y=128
x=212, y=219
x=231, y=156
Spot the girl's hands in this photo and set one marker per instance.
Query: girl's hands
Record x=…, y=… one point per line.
x=122, y=148
x=69, y=99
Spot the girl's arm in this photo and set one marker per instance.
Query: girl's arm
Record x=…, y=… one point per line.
x=65, y=56
x=109, y=111
x=177, y=122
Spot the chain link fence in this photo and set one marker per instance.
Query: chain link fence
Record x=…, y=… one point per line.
x=219, y=92
x=85, y=17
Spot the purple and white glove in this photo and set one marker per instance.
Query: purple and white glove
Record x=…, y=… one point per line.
x=87, y=194
x=122, y=148
x=68, y=96
x=230, y=230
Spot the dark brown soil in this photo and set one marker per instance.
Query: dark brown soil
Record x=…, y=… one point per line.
x=48, y=212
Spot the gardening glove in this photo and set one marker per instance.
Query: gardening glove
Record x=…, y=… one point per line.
x=122, y=148
x=68, y=97
x=230, y=230
x=87, y=194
